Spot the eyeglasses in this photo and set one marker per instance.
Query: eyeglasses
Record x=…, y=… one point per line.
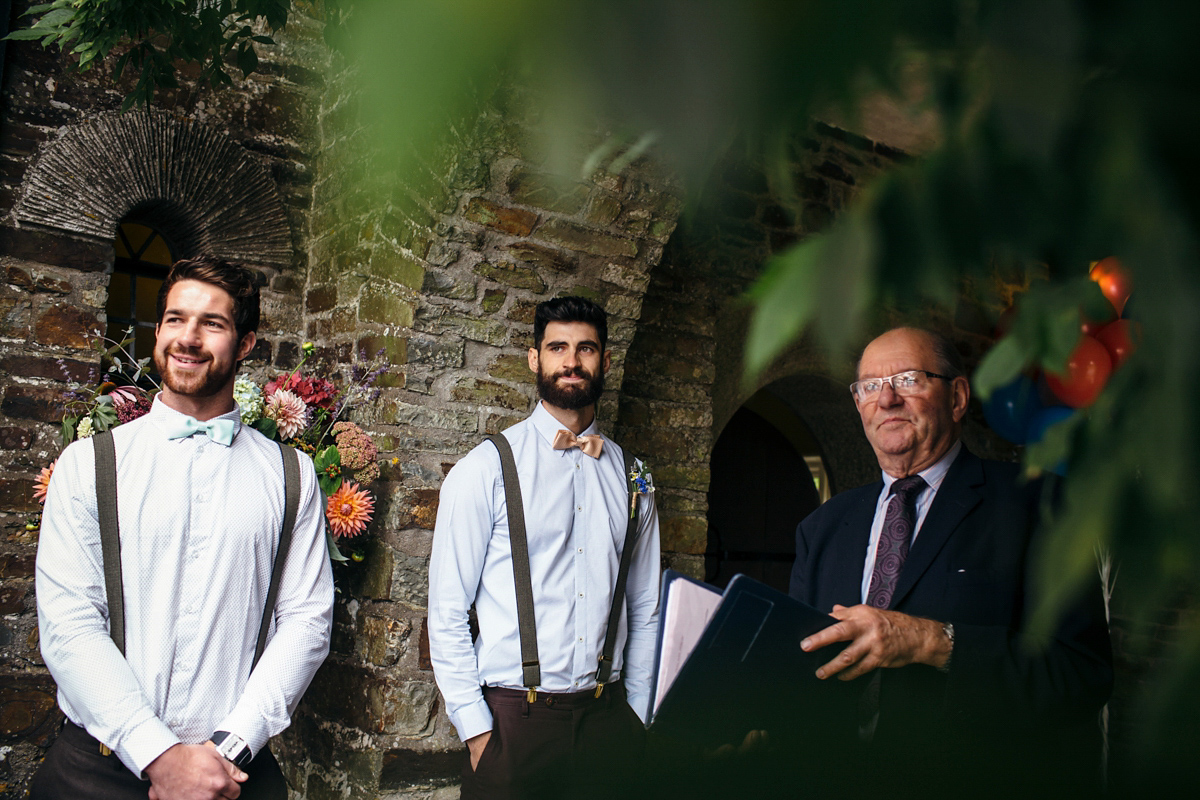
x=914, y=381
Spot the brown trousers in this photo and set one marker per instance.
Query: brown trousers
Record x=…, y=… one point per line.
x=560, y=746
x=75, y=769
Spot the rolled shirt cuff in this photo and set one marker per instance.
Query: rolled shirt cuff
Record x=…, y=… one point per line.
x=472, y=720
x=142, y=744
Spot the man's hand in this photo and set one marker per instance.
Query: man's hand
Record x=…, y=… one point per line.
x=193, y=772
x=476, y=744
x=878, y=639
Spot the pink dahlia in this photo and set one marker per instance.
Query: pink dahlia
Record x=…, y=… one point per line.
x=289, y=412
x=41, y=484
x=349, y=510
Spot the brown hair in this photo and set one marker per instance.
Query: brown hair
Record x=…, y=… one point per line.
x=237, y=281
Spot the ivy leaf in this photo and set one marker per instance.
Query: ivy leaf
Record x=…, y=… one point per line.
x=247, y=59
x=267, y=427
x=68, y=430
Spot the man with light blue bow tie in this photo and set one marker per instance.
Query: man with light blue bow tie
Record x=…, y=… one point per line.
x=185, y=711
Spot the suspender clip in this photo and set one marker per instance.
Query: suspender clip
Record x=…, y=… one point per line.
x=531, y=695
x=104, y=751
x=599, y=689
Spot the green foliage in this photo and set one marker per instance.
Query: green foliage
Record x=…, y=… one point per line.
x=156, y=35
x=329, y=474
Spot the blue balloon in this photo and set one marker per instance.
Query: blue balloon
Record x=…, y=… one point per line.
x=1011, y=408
x=1041, y=422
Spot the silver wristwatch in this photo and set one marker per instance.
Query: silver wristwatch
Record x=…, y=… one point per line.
x=948, y=629
x=232, y=747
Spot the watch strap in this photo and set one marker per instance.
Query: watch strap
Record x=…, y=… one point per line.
x=232, y=747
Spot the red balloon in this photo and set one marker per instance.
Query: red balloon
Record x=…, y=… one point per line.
x=1088, y=369
x=1004, y=322
x=1119, y=339
x=1114, y=281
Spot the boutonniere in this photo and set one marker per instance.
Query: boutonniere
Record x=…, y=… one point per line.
x=642, y=482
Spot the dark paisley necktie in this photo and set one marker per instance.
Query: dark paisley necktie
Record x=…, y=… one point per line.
x=898, y=525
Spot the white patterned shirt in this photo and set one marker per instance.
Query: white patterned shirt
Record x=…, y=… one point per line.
x=576, y=513
x=198, y=523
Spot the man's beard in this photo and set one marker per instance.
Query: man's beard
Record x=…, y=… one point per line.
x=205, y=384
x=570, y=398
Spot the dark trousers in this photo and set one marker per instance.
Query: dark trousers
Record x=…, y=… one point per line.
x=75, y=769
x=559, y=746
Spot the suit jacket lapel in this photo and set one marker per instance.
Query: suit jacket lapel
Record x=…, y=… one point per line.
x=960, y=492
x=851, y=549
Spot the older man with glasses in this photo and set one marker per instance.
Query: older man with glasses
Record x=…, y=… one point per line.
x=933, y=575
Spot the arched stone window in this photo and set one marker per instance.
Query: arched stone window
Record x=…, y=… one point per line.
x=142, y=256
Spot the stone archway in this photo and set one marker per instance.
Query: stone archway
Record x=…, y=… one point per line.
x=179, y=174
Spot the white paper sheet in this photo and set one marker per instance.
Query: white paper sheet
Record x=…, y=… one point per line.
x=689, y=608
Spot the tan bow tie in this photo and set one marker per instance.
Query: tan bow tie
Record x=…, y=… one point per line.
x=591, y=445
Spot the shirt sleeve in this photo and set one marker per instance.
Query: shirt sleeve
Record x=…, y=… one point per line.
x=460, y=541
x=73, y=620
x=303, y=621
x=642, y=594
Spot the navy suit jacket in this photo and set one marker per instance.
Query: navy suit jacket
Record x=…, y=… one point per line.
x=972, y=564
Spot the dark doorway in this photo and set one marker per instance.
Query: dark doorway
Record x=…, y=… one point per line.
x=761, y=487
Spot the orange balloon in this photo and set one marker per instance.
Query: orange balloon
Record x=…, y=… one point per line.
x=1114, y=280
x=1088, y=369
x=1119, y=339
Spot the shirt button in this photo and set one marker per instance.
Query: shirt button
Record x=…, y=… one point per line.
x=581, y=594
x=581, y=549
x=579, y=508
x=576, y=466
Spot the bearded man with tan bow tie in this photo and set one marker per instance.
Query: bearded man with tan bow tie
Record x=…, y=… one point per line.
x=181, y=651
x=535, y=531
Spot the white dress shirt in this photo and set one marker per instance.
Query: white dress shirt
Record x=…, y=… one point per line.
x=576, y=513
x=199, y=523
x=933, y=476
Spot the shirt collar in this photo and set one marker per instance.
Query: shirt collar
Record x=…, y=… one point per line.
x=546, y=426
x=160, y=413
x=933, y=475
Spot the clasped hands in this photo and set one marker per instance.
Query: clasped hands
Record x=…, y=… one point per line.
x=878, y=638
x=194, y=772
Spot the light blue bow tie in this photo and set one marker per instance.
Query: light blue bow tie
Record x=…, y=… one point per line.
x=219, y=430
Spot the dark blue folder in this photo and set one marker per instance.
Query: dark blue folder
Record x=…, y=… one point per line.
x=747, y=671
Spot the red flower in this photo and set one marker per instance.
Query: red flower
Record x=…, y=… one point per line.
x=315, y=392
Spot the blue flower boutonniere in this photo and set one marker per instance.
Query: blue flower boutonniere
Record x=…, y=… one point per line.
x=642, y=482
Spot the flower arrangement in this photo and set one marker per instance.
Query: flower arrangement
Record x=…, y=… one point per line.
x=305, y=411
x=302, y=410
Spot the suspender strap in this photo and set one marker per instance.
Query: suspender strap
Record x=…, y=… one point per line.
x=110, y=538
x=531, y=670
x=291, y=494
x=604, y=670
x=110, y=534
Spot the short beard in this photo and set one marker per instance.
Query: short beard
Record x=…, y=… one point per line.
x=570, y=398
x=197, y=386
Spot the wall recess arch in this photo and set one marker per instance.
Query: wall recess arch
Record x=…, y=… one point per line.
x=194, y=180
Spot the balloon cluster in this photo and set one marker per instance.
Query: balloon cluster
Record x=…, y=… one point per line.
x=1023, y=410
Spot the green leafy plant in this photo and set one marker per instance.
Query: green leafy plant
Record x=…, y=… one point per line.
x=154, y=36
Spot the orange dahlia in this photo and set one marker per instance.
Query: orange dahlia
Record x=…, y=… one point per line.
x=41, y=484
x=349, y=510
